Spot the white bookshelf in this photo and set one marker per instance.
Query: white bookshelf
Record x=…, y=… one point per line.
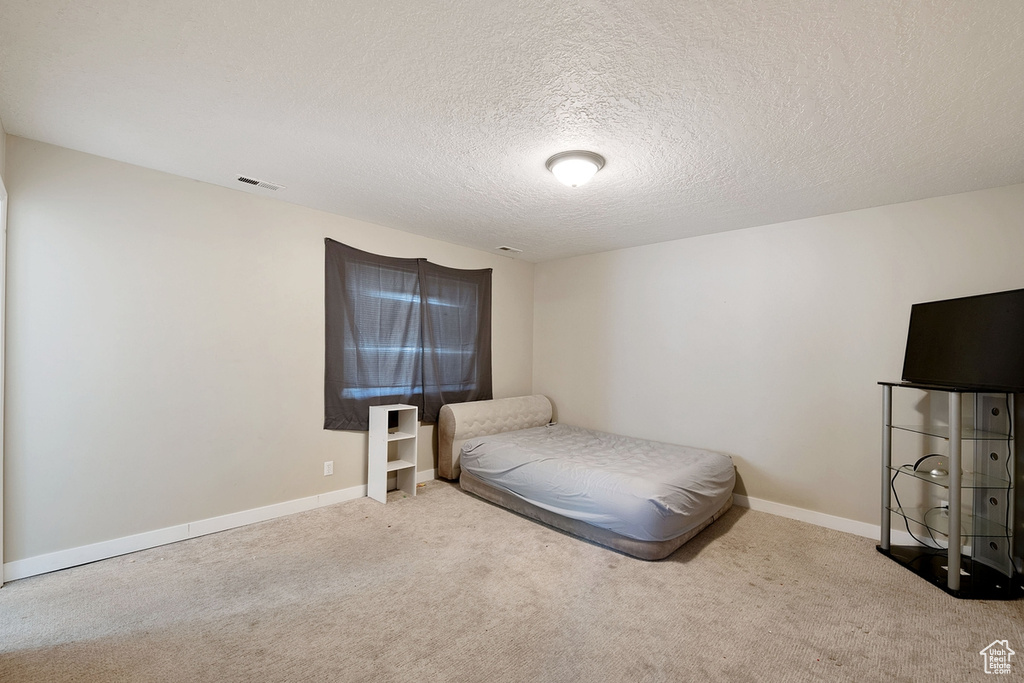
x=391, y=450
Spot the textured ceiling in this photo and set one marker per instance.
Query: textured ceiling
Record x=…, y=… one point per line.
x=436, y=117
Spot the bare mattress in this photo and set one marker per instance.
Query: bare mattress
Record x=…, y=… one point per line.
x=637, y=489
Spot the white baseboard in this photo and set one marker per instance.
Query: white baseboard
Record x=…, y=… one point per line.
x=62, y=559
x=850, y=526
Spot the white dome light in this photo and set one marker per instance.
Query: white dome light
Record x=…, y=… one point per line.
x=576, y=167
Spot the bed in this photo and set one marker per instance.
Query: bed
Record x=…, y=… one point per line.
x=642, y=498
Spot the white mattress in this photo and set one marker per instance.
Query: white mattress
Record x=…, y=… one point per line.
x=645, y=490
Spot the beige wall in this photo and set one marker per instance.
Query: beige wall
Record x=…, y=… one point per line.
x=3, y=278
x=165, y=348
x=767, y=343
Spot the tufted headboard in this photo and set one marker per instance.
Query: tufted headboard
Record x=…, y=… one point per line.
x=460, y=421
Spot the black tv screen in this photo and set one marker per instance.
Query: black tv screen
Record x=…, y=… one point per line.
x=976, y=342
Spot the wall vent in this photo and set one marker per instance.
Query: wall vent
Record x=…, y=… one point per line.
x=260, y=183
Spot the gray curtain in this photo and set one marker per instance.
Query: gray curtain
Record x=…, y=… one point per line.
x=402, y=331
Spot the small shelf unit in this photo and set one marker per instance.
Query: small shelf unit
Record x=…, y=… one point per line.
x=392, y=448
x=976, y=557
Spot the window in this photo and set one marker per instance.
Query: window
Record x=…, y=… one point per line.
x=402, y=331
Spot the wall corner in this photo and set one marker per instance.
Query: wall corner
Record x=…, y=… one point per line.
x=3, y=151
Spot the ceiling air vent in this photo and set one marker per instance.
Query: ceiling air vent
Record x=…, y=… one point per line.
x=510, y=250
x=260, y=183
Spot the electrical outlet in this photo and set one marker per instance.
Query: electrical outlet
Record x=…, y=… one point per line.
x=328, y=468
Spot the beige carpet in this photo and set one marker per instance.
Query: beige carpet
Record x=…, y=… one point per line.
x=445, y=587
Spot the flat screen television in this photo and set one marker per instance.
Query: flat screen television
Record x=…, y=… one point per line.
x=976, y=342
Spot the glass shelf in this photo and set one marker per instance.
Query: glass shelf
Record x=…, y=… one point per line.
x=982, y=442
x=937, y=519
x=968, y=480
x=942, y=432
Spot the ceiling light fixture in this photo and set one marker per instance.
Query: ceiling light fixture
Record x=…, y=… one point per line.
x=576, y=167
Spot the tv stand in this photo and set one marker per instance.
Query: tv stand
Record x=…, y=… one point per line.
x=979, y=557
